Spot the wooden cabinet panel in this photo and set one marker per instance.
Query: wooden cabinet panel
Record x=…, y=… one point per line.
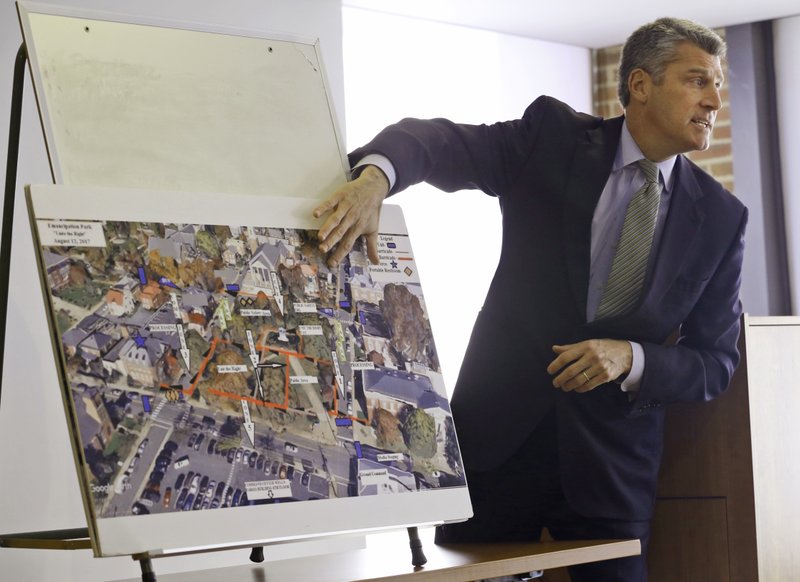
x=689, y=541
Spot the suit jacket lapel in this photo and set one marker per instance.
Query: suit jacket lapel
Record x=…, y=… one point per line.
x=591, y=166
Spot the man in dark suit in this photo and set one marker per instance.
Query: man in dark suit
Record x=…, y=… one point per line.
x=559, y=405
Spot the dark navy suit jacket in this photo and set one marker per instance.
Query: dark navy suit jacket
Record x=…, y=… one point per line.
x=548, y=170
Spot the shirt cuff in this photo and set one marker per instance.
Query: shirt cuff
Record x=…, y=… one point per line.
x=633, y=380
x=382, y=163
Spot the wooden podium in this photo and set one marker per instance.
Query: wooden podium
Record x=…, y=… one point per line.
x=728, y=505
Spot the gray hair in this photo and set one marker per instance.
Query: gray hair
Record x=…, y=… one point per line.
x=653, y=46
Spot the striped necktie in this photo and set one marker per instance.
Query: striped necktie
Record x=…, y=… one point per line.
x=629, y=266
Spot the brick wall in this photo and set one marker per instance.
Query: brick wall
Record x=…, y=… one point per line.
x=717, y=160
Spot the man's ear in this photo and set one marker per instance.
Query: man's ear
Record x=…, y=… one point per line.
x=639, y=83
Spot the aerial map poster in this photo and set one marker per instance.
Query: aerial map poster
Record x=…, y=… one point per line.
x=218, y=376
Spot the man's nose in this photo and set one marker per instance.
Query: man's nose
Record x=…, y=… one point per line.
x=713, y=99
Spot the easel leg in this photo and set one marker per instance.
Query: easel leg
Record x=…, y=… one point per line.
x=10, y=193
x=148, y=574
x=257, y=554
x=417, y=555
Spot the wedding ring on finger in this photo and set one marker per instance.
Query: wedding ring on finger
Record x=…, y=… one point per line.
x=585, y=375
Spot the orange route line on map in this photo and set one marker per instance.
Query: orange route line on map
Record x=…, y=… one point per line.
x=202, y=368
x=293, y=354
x=286, y=380
x=287, y=353
x=256, y=401
x=335, y=411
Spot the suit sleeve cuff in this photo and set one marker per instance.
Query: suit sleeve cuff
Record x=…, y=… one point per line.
x=382, y=163
x=634, y=378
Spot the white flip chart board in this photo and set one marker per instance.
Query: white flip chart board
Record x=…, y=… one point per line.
x=154, y=104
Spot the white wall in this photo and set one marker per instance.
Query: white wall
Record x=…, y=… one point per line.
x=787, y=80
x=38, y=486
x=398, y=67
x=394, y=68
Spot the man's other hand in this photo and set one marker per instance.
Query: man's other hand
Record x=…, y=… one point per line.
x=355, y=210
x=588, y=364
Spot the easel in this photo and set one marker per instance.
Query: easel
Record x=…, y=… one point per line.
x=78, y=538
